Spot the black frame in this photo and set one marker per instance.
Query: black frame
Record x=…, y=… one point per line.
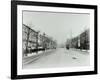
x=14, y=39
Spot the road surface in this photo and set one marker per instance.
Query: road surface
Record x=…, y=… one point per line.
x=60, y=57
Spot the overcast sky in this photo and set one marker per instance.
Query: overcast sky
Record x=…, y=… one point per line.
x=59, y=26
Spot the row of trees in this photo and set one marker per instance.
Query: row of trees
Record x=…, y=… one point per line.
x=33, y=41
x=81, y=41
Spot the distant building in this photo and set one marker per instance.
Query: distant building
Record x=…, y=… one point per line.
x=33, y=41
x=85, y=39
x=81, y=41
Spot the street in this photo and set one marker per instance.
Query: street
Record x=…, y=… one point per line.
x=60, y=57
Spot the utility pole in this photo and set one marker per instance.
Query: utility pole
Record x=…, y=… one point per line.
x=37, y=41
x=28, y=33
x=44, y=41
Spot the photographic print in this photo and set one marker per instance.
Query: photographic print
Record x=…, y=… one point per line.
x=54, y=39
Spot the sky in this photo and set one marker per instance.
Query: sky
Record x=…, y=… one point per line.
x=59, y=26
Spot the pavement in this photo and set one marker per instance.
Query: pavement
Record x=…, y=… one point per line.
x=59, y=57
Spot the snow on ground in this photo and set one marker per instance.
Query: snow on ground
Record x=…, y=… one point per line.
x=60, y=58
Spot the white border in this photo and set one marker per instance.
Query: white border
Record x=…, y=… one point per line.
x=52, y=70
